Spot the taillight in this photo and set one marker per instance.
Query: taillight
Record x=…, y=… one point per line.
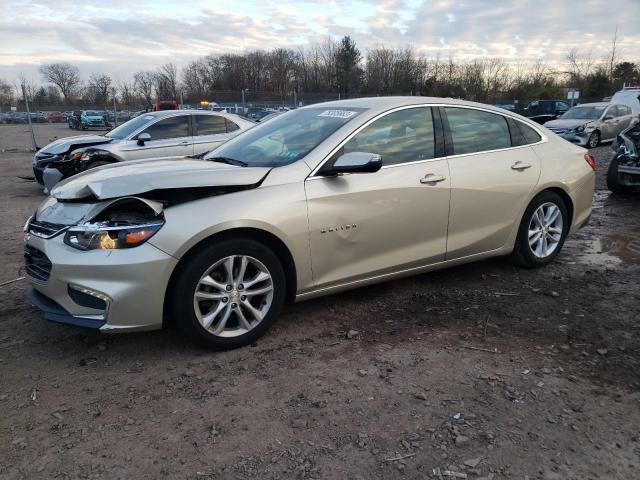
x=591, y=161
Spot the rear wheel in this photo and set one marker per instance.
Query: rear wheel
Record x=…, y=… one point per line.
x=612, y=179
x=228, y=293
x=594, y=139
x=542, y=231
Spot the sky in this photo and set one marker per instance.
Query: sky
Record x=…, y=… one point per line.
x=119, y=37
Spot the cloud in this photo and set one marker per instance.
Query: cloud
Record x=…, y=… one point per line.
x=120, y=37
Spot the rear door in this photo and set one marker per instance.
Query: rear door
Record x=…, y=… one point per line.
x=210, y=131
x=491, y=178
x=170, y=138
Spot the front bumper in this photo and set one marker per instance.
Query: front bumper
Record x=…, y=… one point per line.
x=581, y=138
x=112, y=290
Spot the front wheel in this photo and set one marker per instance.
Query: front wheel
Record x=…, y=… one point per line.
x=612, y=179
x=228, y=293
x=542, y=231
x=594, y=139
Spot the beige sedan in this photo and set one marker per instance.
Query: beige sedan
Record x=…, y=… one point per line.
x=318, y=200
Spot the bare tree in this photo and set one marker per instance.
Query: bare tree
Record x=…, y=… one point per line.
x=99, y=87
x=126, y=91
x=6, y=94
x=167, y=82
x=144, y=82
x=64, y=76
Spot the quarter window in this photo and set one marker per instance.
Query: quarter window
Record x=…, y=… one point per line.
x=399, y=137
x=172, y=127
x=231, y=127
x=210, y=124
x=529, y=134
x=477, y=131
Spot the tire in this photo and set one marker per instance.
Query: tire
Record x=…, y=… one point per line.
x=612, y=179
x=534, y=256
x=195, y=316
x=594, y=139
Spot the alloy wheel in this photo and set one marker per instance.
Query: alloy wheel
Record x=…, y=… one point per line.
x=545, y=229
x=233, y=296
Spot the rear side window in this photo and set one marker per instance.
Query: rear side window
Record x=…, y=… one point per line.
x=172, y=127
x=210, y=124
x=231, y=127
x=477, y=131
x=399, y=137
x=522, y=134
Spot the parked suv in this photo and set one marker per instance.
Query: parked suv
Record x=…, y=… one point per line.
x=542, y=111
x=591, y=123
x=165, y=134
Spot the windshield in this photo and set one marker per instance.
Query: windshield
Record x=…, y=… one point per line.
x=92, y=113
x=127, y=128
x=584, y=113
x=286, y=138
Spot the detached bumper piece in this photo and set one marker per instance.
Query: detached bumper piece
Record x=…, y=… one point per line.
x=55, y=313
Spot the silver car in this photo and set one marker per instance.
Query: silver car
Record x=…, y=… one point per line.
x=164, y=134
x=590, y=124
x=318, y=200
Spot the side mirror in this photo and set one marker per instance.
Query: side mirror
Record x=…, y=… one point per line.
x=143, y=137
x=354, y=162
x=608, y=117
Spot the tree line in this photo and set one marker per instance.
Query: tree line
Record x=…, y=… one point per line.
x=332, y=68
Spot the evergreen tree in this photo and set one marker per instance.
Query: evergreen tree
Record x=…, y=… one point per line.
x=348, y=70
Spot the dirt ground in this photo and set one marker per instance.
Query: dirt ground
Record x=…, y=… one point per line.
x=480, y=371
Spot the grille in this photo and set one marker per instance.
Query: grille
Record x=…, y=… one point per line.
x=44, y=229
x=37, y=263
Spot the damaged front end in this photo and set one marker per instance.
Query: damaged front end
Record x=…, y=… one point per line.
x=627, y=158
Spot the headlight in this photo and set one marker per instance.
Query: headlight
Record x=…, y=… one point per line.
x=72, y=156
x=579, y=128
x=102, y=236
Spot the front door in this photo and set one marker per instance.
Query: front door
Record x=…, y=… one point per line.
x=364, y=225
x=170, y=138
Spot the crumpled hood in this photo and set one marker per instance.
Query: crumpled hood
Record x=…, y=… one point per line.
x=137, y=177
x=566, y=123
x=64, y=144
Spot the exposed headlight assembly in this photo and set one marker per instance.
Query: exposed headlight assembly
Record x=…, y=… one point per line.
x=579, y=128
x=106, y=236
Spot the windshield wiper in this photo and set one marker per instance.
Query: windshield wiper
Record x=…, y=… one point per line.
x=228, y=161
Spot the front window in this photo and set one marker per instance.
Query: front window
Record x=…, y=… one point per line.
x=399, y=137
x=126, y=129
x=584, y=113
x=285, y=139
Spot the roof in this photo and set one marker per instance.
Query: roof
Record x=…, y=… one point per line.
x=387, y=103
x=593, y=104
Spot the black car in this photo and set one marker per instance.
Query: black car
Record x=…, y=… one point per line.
x=541, y=111
x=74, y=119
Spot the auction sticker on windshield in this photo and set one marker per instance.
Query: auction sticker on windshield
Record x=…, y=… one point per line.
x=337, y=113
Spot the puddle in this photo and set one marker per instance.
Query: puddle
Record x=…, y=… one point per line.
x=609, y=250
x=599, y=197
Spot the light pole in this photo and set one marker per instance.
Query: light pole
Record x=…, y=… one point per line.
x=115, y=110
x=26, y=104
x=244, y=111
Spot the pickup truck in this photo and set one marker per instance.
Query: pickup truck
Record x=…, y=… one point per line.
x=541, y=111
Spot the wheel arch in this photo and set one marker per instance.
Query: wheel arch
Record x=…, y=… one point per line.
x=273, y=242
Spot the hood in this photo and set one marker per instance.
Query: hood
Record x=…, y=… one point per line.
x=63, y=145
x=566, y=123
x=141, y=176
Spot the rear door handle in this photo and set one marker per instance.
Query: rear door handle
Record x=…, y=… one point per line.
x=432, y=178
x=520, y=166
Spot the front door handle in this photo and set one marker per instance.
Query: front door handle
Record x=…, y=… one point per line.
x=185, y=143
x=432, y=178
x=520, y=166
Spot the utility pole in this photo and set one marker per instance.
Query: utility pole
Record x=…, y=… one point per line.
x=26, y=104
x=243, y=108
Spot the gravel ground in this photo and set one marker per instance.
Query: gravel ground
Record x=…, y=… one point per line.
x=480, y=371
